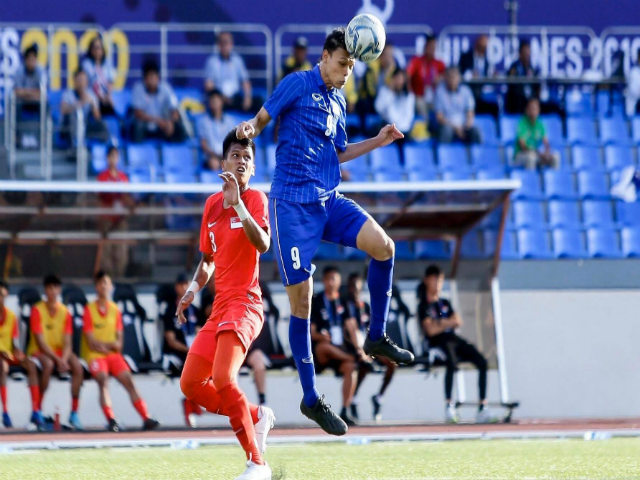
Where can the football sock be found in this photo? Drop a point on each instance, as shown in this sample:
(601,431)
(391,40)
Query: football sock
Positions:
(74,404)
(379,280)
(108,412)
(3,397)
(141,408)
(300,341)
(35,397)
(240,419)
(197,385)
(262,398)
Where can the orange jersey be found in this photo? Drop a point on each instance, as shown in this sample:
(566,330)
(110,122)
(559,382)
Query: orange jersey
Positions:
(104,325)
(8,330)
(52,327)
(236,260)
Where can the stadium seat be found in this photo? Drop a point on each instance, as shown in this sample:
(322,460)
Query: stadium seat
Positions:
(113,125)
(586,157)
(628,214)
(581,130)
(492,219)
(351,253)
(75,300)
(496,173)
(617,157)
(180,177)
(143,157)
(423,175)
(121,101)
(568,243)
(328,251)
(527,214)
(140,177)
(486,157)
(534,244)
(358,169)
(388,176)
(487,126)
(432,249)
(598,214)
(99,157)
(564,214)
(614,130)
(209,176)
(508,128)
(593,185)
(386,159)
(603,243)
(530,188)
(559,184)
(578,103)
(553,127)
(508,250)
(635,129)
(631,241)
(418,156)
(403,250)
(178,159)
(457,175)
(471,245)
(270,156)
(452,157)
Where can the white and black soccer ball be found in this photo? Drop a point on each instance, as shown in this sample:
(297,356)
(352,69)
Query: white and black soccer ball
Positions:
(365,37)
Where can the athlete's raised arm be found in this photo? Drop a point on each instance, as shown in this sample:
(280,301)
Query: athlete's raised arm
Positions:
(253,127)
(387,135)
(203,273)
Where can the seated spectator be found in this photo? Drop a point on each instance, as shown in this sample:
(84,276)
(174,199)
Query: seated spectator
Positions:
(377,75)
(297,61)
(425,73)
(212,127)
(454,106)
(395,103)
(439,322)
(632,100)
(227,72)
(155,108)
(327,337)
(474,65)
(29,79)
(179,337)
(101,74)
(532,147)
(519,93)
(78,101)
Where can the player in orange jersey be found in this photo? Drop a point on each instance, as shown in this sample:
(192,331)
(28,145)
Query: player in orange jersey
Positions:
(50,344)
(234,232)
(101,347)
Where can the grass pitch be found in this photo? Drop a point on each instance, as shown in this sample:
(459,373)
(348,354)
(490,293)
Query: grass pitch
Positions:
(460,460)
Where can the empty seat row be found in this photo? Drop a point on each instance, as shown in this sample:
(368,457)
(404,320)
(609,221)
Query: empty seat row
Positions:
(570,214)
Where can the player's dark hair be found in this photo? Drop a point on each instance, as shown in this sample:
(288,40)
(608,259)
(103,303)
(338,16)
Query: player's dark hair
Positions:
(432,270)
(214,91)
(353,277)
(31,50)
(530,100)
(4,284)
(51,279)
(99,275)
(429,39)
(150,65)
(231,139)
(523,43)
(111,148)
(335,40)
(330,269)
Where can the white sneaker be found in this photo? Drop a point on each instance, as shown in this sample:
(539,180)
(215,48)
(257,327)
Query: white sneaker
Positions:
(624,188)
(451,414)
(484,416)
(255,472)
(266,421)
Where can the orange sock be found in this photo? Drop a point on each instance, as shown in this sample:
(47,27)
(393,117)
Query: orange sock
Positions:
(74,404)
(197,385)
(254,413)
(141,408)
(35,397)
(3,397)
(108,412)
(240,419)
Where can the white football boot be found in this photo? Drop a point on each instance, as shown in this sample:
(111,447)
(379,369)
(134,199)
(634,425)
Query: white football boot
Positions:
(255,472)
(451,414)
(266,421)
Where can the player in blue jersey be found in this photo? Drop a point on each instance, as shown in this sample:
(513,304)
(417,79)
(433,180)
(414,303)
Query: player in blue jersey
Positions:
(305,207)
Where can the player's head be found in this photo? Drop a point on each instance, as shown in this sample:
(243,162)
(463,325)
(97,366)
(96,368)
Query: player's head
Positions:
(300,49)
(103,284)
(52,287)
(524,51)
(96,49)
(151,75)
(80,80)
(113,156)
(181,285)
(31,57)
(430,44)
(238,157)
(4,291)
(337,64)
(433,279)
(532,110)
(331,279)
(355,284)
(452,78)
(225,43)
(481,44)
(216,102)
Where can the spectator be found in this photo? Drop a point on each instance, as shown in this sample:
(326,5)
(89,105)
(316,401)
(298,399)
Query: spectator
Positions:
(358,312)
(297,61)
(632,105)
(102,349)
(30,79)
(155,108)
(213,126)
(179,337)
(328,312)
(454,108)
(395,103)
(439,322)
(227,72)
(628,185)
(424,74)
(474,65)
(50,343)
(78,101)
(519,93)
(532,147)
(377,75)
(100,73)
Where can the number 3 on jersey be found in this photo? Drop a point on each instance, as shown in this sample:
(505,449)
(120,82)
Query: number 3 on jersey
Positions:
(295,258)
(213,242)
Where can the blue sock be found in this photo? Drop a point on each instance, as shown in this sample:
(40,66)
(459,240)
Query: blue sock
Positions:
(379,280)
(300,342)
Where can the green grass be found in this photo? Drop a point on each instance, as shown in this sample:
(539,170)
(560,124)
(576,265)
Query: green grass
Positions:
(460,460)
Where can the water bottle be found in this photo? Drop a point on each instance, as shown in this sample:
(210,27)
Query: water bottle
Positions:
(56,420)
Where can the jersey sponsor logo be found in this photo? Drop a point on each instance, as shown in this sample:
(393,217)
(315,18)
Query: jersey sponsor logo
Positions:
(236,223)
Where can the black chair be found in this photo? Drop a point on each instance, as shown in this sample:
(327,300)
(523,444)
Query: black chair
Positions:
(76,301)
(268,340)
(27,298)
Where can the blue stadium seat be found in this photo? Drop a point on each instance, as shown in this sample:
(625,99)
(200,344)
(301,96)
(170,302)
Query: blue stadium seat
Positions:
(180,177)
(530,188)
(508,128)
(593,185)
(631,241)
(598,214)
(491,173)
(452,157)
(578,103)
(534,244)
(471,245)
(485,156)
(143,157)
(178,159)
(635,129)
(351,253)
(209,176)
(617,157)
(113,125)
(432,249)
(418,156)
(568,243)
(581,130)
(492,219)
(423,175)
(386,159)
(559,184)
(603,243)
(388,176)
(553,126)
(586,157)
(328,251)
(628,214)
(508,250)
(527,214)
(487,126)
(358,168)
(564,214)
(270,156)
(99,157)
(614,130)
(121,101)
(403,250)
(140,176)
(456,175)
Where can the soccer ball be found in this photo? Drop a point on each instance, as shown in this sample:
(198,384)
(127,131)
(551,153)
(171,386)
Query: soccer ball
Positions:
(365,37)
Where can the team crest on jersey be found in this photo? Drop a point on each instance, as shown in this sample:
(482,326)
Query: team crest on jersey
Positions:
(236,223)
(316,97)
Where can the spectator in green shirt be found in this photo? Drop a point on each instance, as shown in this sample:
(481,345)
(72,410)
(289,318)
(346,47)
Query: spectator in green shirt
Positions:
(532,145)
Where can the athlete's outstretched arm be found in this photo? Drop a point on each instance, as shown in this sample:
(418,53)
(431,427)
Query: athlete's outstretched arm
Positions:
(388,134)
(253,127)
(200,279)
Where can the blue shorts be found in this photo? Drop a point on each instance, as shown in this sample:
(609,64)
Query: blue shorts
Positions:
(298,230)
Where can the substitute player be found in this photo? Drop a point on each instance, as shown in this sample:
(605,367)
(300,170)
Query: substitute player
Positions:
(305,207)
(234,232)
(50,343)
(101,347)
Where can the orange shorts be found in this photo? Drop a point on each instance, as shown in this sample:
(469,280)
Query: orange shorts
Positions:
(113,364)
(246,321)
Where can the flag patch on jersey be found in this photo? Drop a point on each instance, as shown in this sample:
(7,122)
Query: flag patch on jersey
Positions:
(236,222)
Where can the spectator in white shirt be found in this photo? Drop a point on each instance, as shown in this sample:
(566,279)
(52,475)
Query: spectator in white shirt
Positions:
(29,80)
(101,74)
(81,99)
(395,103)
(454,106)
(633,88)
(213,126)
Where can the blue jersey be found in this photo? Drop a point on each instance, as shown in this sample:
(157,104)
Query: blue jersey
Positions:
(312,127)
